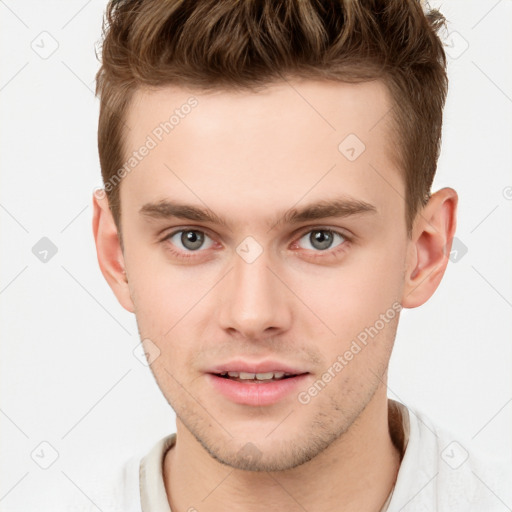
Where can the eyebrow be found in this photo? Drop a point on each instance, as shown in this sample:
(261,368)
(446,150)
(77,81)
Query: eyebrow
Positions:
(339,208)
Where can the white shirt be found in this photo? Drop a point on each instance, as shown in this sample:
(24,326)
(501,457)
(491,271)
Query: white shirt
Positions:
(436,474)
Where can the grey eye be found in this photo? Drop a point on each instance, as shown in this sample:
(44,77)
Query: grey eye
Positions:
(322,239)
(190,239)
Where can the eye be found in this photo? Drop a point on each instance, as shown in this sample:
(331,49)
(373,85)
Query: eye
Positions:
(321,239)
(185,242)
(190,239)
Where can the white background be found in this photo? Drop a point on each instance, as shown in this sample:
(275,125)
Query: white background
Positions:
(68,373)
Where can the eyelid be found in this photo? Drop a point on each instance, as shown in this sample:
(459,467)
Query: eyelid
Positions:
(174,231)
(339,231)
(206,232)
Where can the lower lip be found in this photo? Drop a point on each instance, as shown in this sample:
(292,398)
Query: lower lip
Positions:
(256,393)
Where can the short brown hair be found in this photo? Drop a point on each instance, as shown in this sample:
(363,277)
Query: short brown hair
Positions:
(230,44)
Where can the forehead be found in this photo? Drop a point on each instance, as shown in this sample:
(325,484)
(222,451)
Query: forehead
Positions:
(283,143)
(324,106)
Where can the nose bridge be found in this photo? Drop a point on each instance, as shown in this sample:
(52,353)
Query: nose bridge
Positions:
(254,300)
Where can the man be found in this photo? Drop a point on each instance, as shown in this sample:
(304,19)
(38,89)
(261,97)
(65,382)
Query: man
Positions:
(268,213)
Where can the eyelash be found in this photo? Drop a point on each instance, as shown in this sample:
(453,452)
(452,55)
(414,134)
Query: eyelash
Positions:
(323,254)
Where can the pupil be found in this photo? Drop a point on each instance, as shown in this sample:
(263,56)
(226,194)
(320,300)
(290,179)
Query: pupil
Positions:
(192,239)
(323,237)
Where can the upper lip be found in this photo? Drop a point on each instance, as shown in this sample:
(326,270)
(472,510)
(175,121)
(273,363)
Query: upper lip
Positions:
(266,366)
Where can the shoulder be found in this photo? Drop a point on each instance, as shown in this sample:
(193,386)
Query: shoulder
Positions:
(469,480)
(441,472)
(121,492)
(136,485)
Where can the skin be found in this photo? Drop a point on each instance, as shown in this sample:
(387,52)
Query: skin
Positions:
(249,157)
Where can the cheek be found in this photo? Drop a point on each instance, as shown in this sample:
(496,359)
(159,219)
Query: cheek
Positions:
(170,305)
(352,296)
(162,292)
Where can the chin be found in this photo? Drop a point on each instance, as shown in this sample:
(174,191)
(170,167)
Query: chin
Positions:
(268,455)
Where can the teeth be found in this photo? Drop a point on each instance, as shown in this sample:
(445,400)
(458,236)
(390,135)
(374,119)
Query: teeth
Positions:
(257,376)
(264,376)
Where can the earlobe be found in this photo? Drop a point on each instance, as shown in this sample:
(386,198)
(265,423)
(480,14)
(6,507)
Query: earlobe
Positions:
(108,250)
(432,238)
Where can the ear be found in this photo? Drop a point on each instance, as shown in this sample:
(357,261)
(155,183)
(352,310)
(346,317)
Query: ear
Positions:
(108,249)
(430,246)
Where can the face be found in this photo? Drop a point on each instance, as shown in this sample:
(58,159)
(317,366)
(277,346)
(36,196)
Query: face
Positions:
(265,278)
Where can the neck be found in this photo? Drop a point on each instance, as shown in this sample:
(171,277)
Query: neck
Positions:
(355,473)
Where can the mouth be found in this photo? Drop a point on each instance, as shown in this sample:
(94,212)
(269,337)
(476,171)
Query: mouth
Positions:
(254,378)
(257,389)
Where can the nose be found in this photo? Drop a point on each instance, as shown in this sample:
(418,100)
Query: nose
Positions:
(255,303)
